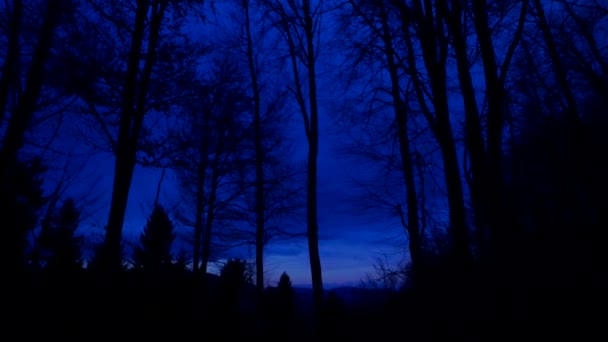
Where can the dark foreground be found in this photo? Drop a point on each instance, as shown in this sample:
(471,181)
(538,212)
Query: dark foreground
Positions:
(88,307)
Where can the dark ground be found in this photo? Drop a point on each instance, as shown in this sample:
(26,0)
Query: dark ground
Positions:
(135,307)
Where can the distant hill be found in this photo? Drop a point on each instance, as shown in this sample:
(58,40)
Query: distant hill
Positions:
(349,296)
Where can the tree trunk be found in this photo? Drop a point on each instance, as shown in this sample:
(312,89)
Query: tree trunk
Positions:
(199,212)
(132,115)
(474,141)
(400,110)
(11,61)
(488,178)
(199,225)
(24,110)
(13,256)
(209,219)
(313,150)
(558,67)
(434,51)
(259,160)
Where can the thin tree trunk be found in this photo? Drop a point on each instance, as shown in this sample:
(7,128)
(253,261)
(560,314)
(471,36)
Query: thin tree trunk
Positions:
(400,111)
(199,211)
(558,67)
(11,61)
(209,220)
(313,150)
(259,160)
(158,188)
(200,192)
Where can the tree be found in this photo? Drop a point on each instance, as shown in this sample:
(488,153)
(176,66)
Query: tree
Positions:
(269,188)
(156,240)
(146,37)
(483,136)
(280,306)
(259,154)
(27,99)
(286,295)
(554,200)
(571,109)
(21,198)
(212,158)
(133,110)
(234,276)
(425,22)
(298,23)
(61,249)
(11,61)
(376,19)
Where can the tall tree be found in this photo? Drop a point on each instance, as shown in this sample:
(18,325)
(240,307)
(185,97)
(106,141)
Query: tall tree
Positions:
(427,20)
(10,68)
(556,61)
(483,143)
(12,169)
(298,23)
(23,110)
(259,155)
(376,18)
(212,155)
(135,93)
(147,30)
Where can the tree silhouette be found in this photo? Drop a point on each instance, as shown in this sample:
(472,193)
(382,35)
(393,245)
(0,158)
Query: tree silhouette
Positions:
(21,198)
(235,275)
(27,95)
(143,30)
(59,247)
(286,296)
(156,240)
(298,23)
(376,18)
(279,306)
(212,152)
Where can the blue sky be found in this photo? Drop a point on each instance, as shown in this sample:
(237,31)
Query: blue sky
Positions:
(349,243)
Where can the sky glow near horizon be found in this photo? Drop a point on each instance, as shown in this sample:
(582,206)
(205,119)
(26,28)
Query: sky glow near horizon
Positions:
(349,245)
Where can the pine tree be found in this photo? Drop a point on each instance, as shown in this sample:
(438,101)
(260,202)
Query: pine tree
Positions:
(235,275)
(156,240)
(286,296)
(61,246)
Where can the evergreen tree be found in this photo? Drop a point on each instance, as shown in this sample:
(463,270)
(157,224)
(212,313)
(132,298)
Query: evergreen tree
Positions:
(284,287)
(61,248)
(156,241)
(286,296)
(235,275)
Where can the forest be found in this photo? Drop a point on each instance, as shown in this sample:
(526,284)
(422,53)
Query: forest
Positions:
(479,128)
